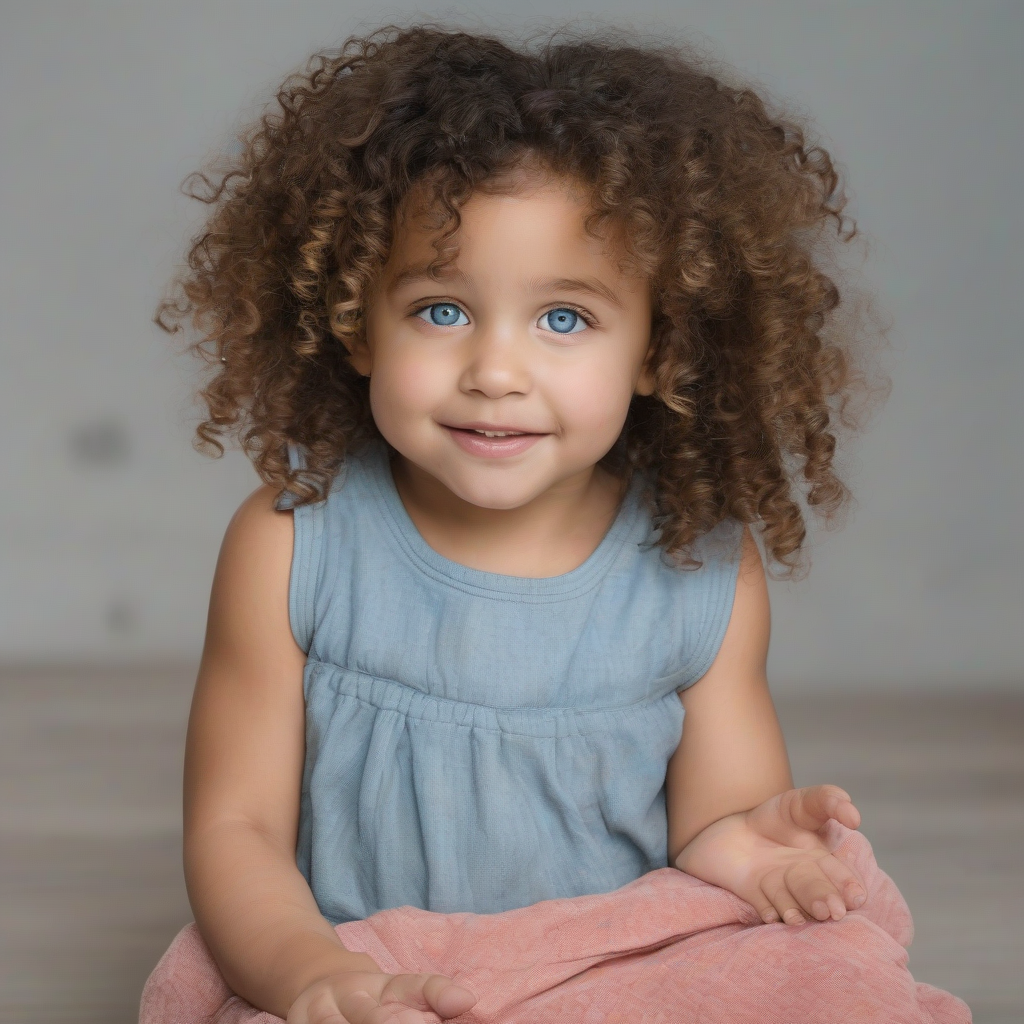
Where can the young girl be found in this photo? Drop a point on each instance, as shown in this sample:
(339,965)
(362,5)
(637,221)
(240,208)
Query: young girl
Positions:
(524,344)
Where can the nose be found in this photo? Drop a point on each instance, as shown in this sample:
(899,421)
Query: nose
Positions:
(497,363)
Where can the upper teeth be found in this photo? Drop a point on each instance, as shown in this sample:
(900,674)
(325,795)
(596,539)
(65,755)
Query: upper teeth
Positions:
(498,433)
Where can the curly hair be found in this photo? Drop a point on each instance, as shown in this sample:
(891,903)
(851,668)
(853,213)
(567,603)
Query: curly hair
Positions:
(726,209)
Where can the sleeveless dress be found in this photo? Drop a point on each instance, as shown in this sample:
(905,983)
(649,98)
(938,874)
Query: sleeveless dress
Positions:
(480,742)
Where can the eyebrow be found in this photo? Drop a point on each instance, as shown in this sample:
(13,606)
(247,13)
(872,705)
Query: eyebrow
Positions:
(589,285)
(424,272)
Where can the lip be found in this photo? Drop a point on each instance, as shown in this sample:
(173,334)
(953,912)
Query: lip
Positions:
(476,425)
(491,447)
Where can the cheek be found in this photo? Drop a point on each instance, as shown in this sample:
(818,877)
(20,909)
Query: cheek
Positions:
(404,386)
(595,399)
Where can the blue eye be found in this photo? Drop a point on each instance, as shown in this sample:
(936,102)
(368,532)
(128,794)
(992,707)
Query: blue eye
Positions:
(563,321)
(443,314)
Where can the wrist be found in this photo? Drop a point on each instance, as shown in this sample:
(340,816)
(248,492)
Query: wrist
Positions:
(721,831)
(331,965)
(348,962)
(299,966)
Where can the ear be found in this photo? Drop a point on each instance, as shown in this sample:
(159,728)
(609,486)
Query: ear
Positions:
(359,354)
(645,384)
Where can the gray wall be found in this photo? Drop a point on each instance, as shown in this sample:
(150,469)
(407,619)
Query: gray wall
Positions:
(111,523)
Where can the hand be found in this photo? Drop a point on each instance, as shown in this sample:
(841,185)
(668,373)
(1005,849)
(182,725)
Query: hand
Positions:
(363,997)
(774,858)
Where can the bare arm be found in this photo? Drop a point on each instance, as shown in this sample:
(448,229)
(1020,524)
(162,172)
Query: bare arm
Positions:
(243,768)
(734,819)
(732,755)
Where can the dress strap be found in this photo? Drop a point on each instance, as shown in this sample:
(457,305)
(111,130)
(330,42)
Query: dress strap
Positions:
(307,550)
(296,461)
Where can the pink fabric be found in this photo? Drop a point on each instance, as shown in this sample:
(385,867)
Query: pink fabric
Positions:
(665,948)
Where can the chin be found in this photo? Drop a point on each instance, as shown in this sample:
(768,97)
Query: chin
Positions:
(495,494)
(499,500)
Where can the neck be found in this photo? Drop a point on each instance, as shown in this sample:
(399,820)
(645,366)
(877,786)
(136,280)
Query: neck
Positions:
(548,536)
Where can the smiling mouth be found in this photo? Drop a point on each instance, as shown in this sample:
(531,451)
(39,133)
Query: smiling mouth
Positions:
(493,431)
(493,441)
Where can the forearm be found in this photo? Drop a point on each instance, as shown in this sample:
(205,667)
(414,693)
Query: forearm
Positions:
(690,822)
(709,780)
(258,917)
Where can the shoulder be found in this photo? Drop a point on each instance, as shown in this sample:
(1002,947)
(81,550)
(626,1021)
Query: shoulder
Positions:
(260,525)
(251,579)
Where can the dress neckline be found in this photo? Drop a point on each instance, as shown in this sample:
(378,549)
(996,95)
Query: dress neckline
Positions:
(444,569)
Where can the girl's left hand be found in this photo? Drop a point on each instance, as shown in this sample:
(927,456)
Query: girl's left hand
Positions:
(774,858)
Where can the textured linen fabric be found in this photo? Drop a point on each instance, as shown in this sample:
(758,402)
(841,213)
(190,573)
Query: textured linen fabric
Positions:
(478,742)
(665,949)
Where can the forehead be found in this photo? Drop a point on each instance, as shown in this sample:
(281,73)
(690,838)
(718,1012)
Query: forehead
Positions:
(524,218)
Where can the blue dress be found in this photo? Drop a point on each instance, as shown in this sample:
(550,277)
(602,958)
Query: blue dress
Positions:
(480,742)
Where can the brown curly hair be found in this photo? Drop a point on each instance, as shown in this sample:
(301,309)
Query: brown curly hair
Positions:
(725,208)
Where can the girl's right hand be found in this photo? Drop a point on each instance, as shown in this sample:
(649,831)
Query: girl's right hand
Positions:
(362,997)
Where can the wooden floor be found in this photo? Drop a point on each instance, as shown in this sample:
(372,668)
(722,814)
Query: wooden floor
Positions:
(89,820)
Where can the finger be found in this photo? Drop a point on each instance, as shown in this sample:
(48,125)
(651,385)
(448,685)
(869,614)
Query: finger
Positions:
(773,885)
(446,997)
(811,807)
(847,881)
(814,892)
(763,906)
(428,992)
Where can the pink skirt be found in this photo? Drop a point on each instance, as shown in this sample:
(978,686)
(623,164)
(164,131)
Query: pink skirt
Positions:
(665,948)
